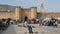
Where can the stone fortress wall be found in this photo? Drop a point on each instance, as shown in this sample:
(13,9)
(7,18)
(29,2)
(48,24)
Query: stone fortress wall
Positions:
(20,13)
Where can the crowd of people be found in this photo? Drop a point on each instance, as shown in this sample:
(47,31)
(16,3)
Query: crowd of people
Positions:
(4,23)
(50,21)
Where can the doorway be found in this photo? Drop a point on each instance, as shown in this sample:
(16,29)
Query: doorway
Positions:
(25,18)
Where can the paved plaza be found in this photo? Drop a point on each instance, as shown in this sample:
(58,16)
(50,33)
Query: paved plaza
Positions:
(9,30)
(15,29)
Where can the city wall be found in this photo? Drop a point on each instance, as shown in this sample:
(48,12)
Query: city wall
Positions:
(5,15)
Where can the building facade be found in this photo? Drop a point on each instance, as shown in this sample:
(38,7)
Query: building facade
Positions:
(20,13)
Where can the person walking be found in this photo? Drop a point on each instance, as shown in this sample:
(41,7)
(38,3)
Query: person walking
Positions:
(40,21)
(25,21)
(30,29)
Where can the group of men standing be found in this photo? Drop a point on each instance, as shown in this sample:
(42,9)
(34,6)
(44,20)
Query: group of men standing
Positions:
(48,22)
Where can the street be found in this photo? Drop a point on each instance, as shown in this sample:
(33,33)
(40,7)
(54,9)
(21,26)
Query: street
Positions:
(16,29)
(9,30)
(37,28)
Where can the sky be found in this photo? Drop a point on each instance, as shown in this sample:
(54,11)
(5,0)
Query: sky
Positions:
(49,5)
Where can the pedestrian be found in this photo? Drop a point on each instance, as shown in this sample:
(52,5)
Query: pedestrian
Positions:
(25,22)
(30,29)
(56,23)
(40,21)
(8,21)
(37,20)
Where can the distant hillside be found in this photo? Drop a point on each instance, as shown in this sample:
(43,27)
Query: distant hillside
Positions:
(7,7)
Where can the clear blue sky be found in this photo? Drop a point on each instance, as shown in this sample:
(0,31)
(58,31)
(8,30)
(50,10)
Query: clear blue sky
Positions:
(49,5)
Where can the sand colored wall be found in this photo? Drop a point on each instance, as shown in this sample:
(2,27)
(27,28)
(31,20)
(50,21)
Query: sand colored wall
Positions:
(38,15)
(57,15)
(33,12)
(29,12)
(5,15)
(54,15)
(21,13)
(18,13)
(26,12)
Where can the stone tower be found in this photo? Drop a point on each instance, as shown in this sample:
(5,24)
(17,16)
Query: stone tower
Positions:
(18,13)
(42,11)
(33,12)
